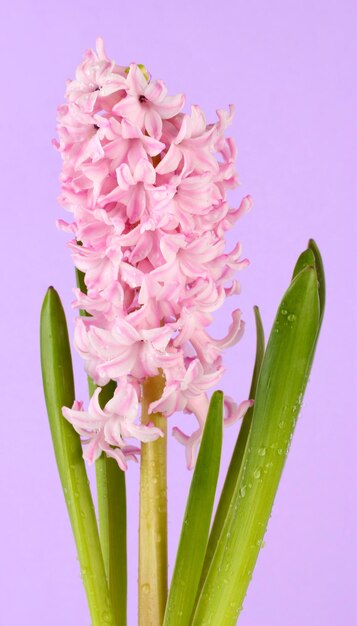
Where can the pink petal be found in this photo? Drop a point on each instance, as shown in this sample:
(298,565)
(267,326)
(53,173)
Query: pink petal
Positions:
(234,412)
(136,80)
(153,123)
(145,172)
(171,106)
(156,91)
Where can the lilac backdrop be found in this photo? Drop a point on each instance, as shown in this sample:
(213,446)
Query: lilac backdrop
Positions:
(288,67)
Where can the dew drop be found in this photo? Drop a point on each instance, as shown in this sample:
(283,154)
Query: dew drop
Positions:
(281,424)
(145,588)
(284,312)
(257,473)
(262,451)
(242,491)
(291,317)
(106,617)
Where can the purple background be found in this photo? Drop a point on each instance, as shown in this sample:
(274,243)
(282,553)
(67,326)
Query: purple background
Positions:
(288,67)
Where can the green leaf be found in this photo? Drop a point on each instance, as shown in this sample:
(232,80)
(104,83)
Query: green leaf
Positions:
(58,387)
(237,456)
(81,284)
(111,498)
(282,381)
(197,518)
(320,276)
(311,257)
(306,259)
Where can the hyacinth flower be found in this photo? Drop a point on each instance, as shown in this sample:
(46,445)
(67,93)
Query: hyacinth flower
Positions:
(146,184)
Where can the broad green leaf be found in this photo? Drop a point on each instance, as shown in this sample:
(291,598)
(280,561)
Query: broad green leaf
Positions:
(281,385)
(237,456)
(58,386)
(111,498)
(197,519)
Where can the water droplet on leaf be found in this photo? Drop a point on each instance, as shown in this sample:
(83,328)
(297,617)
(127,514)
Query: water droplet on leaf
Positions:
(106,617)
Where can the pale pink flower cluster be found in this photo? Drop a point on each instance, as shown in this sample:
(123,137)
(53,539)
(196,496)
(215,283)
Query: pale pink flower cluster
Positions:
(146,184)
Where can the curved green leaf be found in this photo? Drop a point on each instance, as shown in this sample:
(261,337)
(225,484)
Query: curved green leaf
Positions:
(238,452)
(58,387)
(197,519)
(282,381)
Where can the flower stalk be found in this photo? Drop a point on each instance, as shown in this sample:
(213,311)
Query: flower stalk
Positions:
(153,513)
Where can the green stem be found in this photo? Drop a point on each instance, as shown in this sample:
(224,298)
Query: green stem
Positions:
(153,515)
(58,386)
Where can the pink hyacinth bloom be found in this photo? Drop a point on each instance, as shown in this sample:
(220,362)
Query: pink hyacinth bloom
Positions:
(146,103)
(147,187)
(108,429)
